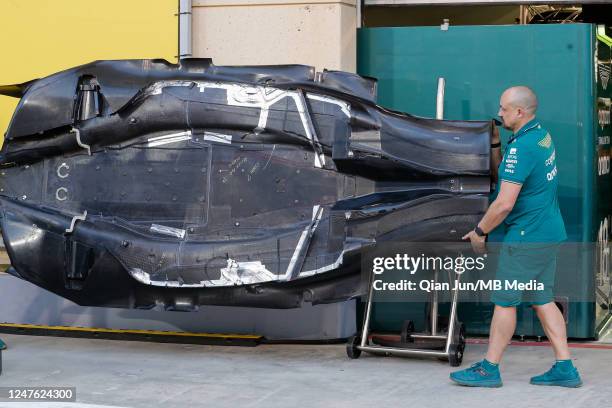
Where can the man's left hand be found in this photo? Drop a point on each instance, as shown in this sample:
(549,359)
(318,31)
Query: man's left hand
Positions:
(478,243)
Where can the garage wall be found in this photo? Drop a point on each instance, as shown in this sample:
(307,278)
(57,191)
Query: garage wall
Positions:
(261,32)
(40,37)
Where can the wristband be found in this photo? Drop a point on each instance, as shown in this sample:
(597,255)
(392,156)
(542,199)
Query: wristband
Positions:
(495,145)
(479,232)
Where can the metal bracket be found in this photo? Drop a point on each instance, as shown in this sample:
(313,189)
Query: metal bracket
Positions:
(79,142)
(74,220)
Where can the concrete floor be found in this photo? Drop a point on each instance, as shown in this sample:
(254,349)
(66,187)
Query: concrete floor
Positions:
(136,374)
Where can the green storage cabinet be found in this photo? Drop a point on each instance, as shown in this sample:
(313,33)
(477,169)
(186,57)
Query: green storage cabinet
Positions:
(478,63)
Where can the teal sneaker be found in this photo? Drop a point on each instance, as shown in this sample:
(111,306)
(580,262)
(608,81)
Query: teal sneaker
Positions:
(562,374)
(480,374)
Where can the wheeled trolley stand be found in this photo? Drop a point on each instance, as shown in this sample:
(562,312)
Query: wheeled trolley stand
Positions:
(447,344)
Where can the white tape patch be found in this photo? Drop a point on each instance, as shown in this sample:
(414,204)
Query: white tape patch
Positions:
(162,229)
(217,137)
(167,139)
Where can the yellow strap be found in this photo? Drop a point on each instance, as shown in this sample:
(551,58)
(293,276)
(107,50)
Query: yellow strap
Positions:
(147,332)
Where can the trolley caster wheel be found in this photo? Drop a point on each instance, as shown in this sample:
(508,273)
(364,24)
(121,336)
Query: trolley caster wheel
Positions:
(459,336)
(351,347)
(455,355)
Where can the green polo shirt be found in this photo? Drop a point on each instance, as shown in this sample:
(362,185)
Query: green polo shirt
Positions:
(529,160)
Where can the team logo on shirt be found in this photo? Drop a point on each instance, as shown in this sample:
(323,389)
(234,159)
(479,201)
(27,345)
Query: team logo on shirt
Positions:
(546,141)
(511,160)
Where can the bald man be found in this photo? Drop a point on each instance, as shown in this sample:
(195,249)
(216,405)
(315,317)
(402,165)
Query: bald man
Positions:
(526,202)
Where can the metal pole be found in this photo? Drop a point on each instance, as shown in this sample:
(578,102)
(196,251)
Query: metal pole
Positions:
(366,322)
(440,99)
(453,314)
(184,29)
(524,14)
(434,307)
(439,116)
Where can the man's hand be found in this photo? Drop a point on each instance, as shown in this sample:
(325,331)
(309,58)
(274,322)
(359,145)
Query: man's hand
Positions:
(495,137)
(478,243)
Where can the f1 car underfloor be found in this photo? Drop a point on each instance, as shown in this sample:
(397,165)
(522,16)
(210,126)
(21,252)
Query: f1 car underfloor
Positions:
(143,184)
